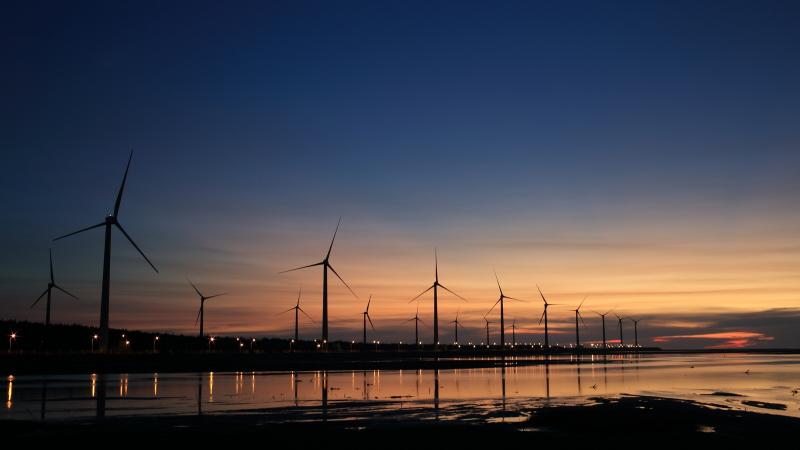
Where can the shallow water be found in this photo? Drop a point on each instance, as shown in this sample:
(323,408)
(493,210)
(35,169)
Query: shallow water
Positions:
(761,383)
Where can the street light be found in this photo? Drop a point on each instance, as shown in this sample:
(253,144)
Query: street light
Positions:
(94,338)
(210,342)
(11,338)
(155,341)
(252,343)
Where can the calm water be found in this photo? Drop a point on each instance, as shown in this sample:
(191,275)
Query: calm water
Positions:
(735,381)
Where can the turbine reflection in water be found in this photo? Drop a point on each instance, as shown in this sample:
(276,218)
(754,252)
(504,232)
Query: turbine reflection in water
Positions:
(506,387)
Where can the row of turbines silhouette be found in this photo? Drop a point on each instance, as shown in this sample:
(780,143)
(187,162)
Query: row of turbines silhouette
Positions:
(112,221)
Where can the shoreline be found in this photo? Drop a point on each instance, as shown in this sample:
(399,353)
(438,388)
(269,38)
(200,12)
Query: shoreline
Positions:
(601,419)
(72,363)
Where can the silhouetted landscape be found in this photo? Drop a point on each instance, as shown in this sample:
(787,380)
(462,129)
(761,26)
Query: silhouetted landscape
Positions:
(295,220)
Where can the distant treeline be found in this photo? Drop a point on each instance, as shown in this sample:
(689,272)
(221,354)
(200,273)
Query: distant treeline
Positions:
(34,337)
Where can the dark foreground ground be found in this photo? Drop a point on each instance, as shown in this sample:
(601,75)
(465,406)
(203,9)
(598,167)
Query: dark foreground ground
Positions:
(629,419)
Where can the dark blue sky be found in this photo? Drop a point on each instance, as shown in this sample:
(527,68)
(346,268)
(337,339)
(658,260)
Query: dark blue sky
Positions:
(425,118)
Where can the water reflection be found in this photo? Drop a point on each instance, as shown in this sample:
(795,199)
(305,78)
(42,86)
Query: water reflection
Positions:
(199,395)
(43,406)
(10,396)
(99,391)
(769,379)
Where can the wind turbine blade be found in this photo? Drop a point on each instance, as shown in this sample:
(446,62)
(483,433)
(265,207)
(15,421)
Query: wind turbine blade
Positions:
(342,280)
(448,290)
(436,263)
(580,316)
(516,299)
(198,317)
(579,306)
(304,267)
(370,322)
(420,295)
(80,231)
(300,291)
(52,279)
(216,295)
(328,255)
(492,308)
(65,291)
(136,246)
(541,318)
(284,312)
(304,313)
(368,302)
(498,282)
(40,297)
(540,293)
(195,287)
(122,186)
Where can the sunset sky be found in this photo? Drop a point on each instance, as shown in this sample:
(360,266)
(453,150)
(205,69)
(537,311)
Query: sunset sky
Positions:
(644,155)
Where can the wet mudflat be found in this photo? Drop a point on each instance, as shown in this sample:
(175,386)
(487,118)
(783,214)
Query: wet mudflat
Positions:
(722,394)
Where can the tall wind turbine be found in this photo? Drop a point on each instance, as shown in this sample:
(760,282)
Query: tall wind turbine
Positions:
(435,286)
(619,325)
(502,311)
(110,221)
(201,312)
(366,318)
(635,331)
(603,317)
(577,327)
(52,284)
(416,320)
(325,263)
(544,316)
(456,324)
(297,309)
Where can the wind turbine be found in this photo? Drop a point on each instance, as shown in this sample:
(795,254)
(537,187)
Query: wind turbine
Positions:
(297,309)
(366,318)
(416,320)
(619,325)
(502,311)
(201,312)
(603,317)
(325,263)
(435,286)
(52,284)
(544,316)
(456,324)
(514,333)
(635,331)
(110,221)
(577,327)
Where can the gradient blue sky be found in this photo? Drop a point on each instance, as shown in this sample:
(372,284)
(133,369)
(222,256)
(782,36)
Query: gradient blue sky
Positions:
(642,153)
